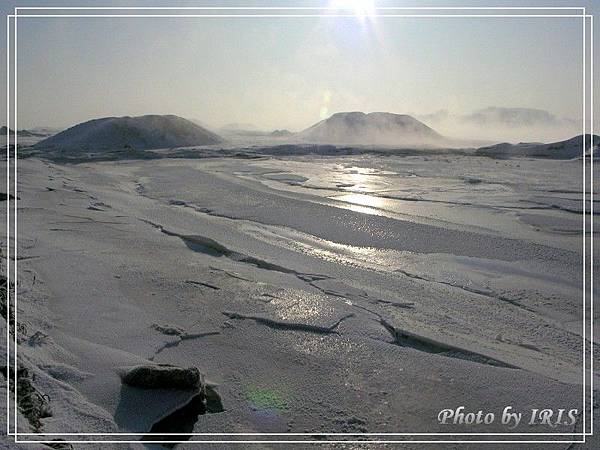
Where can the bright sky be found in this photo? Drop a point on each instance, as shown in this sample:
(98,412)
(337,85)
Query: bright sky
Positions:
(291,72)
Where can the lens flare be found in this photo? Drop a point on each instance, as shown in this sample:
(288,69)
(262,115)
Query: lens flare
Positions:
(324,112)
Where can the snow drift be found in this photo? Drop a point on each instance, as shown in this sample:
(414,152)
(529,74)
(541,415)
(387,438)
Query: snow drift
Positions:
(377,128)
(568,149)
(137,133)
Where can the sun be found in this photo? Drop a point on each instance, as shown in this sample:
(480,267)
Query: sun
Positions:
(361,8)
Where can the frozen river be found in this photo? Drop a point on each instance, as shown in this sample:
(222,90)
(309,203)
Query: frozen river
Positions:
(321,293)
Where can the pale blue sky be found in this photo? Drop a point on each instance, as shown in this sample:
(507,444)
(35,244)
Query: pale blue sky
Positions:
(290,72)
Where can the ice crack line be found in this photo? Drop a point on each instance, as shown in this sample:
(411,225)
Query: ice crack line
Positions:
(404,338)
(295,326)
(182,337)
(467,289)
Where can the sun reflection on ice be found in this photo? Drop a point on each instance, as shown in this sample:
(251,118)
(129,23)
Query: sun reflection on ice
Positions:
(361,179)
(363,199)
(363,203)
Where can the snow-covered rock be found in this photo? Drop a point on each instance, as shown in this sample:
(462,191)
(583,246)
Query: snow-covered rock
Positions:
(162,376)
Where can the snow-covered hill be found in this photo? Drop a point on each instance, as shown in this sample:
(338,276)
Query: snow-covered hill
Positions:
(377,128)
(138,133)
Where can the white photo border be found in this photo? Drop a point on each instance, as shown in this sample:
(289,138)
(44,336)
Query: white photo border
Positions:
(331,12)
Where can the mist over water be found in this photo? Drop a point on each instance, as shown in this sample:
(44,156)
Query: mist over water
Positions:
(504,124)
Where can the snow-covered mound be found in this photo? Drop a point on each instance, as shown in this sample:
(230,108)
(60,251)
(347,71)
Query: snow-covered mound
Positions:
(137,133)
(571,148)
(377,128)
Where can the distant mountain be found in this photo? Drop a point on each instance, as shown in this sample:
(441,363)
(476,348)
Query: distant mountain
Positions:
(511,117)
(238,131)
(237,127)
(377,128)
(281,133)
(21,133)
(137,133)
(569,149)
(45,131)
